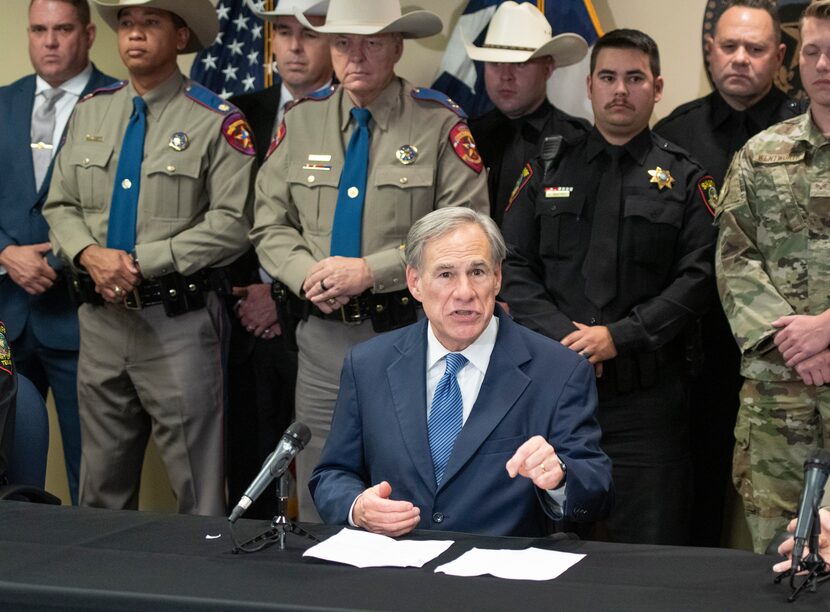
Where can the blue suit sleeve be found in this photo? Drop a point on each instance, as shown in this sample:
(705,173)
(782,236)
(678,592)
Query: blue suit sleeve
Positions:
(341,475)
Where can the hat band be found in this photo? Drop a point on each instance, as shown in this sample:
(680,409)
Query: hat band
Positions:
(508,47)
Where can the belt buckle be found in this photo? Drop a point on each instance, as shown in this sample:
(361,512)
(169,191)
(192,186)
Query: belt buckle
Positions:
(350,312)
(132,301)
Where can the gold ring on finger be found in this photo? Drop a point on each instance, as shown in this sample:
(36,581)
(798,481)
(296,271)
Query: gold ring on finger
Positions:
(117,290)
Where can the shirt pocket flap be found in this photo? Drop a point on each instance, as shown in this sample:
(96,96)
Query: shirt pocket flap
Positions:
(656,211)
(189,166)
(403,177)
(89,155)
(553,207)
(313,178)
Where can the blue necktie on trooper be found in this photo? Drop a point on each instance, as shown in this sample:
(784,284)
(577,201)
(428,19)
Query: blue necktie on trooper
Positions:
(447,415)
(348,216)
(124,208)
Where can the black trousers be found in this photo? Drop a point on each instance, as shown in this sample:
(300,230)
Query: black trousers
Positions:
(646,435)
(262,375)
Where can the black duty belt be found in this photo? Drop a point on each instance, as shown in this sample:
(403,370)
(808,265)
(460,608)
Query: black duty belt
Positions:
(177,293)
(387,311)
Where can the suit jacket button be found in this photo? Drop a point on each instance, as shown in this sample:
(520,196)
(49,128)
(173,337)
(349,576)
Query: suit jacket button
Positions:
(438,517)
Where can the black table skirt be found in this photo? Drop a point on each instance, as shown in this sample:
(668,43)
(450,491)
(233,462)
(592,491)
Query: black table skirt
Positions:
(86,559)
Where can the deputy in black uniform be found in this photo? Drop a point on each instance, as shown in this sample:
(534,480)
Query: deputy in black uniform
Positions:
(519,55)
(744,55)
(8,394)
(610,252)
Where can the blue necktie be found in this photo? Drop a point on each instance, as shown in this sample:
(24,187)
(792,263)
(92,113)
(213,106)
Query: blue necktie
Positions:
(447,415)
(348,216)
(124,208)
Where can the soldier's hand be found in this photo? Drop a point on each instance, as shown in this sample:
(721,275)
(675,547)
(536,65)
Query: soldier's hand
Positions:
(257,310)
(815,370)
(375,512)
(28,268)
(593,343)
(333,280)
(801,336)
(114,271)
(536,460)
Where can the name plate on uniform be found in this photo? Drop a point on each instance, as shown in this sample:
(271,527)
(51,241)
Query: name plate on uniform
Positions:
(558,192)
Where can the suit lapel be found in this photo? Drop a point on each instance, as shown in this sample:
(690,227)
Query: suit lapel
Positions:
(20,128)
(503,384)
(407,381)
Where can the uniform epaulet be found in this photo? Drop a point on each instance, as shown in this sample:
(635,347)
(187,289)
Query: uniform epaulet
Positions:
(432,95)
(681,110)
(202,95)
(317,96)
(105,90)
(667,145)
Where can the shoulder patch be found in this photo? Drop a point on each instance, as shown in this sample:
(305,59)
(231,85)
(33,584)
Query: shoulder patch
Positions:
(276,140)
(432,95)
(105,90)
(524,179)
(5,352)
(709,193)
(237,132)
(202,95)
(464,146)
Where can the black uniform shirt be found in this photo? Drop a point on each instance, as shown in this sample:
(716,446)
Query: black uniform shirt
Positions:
(505,145)
(665,246)
(712,131)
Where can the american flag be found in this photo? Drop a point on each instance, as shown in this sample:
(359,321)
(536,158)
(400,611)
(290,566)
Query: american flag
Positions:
(239,60)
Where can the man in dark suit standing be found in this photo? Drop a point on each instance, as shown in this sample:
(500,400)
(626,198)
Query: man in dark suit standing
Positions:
(262,369)
(435,421)
(41,319)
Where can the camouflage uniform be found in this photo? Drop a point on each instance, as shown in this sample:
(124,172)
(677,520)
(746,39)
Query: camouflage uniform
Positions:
(772,261)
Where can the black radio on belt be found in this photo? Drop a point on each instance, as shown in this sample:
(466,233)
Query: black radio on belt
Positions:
(290,311)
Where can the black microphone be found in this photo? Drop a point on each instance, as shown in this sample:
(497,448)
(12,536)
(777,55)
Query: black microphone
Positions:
(292,442)
(816,471)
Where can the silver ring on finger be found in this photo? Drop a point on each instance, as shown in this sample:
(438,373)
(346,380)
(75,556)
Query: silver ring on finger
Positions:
(585,354)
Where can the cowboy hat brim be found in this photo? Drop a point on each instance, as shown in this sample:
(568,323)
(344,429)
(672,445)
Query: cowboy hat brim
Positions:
(199,15)
(566,49)
(286,9)
(416,24)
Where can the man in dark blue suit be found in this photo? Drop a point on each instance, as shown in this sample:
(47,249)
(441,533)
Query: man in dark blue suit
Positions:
(41,319)
(464,421)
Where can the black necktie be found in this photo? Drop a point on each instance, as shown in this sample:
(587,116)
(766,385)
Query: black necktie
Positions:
(600,266)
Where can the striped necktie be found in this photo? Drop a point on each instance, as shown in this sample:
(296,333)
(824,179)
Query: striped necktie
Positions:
(447,415)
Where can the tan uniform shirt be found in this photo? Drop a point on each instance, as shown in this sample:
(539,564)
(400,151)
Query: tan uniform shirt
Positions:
(195,204)
(296,190)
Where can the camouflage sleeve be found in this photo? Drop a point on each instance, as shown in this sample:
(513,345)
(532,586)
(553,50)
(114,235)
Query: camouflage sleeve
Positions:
(749,298)
(523,282)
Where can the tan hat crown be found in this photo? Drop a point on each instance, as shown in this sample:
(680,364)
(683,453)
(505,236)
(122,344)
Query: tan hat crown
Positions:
(520,32)
(367,17)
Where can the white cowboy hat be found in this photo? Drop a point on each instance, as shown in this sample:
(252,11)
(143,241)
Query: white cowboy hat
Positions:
(520,32)
(368,17)
(199,15)
(287,7)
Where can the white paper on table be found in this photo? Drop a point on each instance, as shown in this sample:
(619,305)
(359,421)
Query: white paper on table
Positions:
(527,564)
(364,549)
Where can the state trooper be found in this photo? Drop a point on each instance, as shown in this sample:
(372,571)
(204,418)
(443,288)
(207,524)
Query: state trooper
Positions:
(350,171)
(150,197)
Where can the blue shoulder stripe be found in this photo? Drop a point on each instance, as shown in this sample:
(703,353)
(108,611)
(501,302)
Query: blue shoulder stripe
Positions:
(108,89)
(433,95)
(204,96)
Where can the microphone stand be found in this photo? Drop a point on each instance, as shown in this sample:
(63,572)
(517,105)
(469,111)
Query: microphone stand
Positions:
(280,526)
(813,564)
